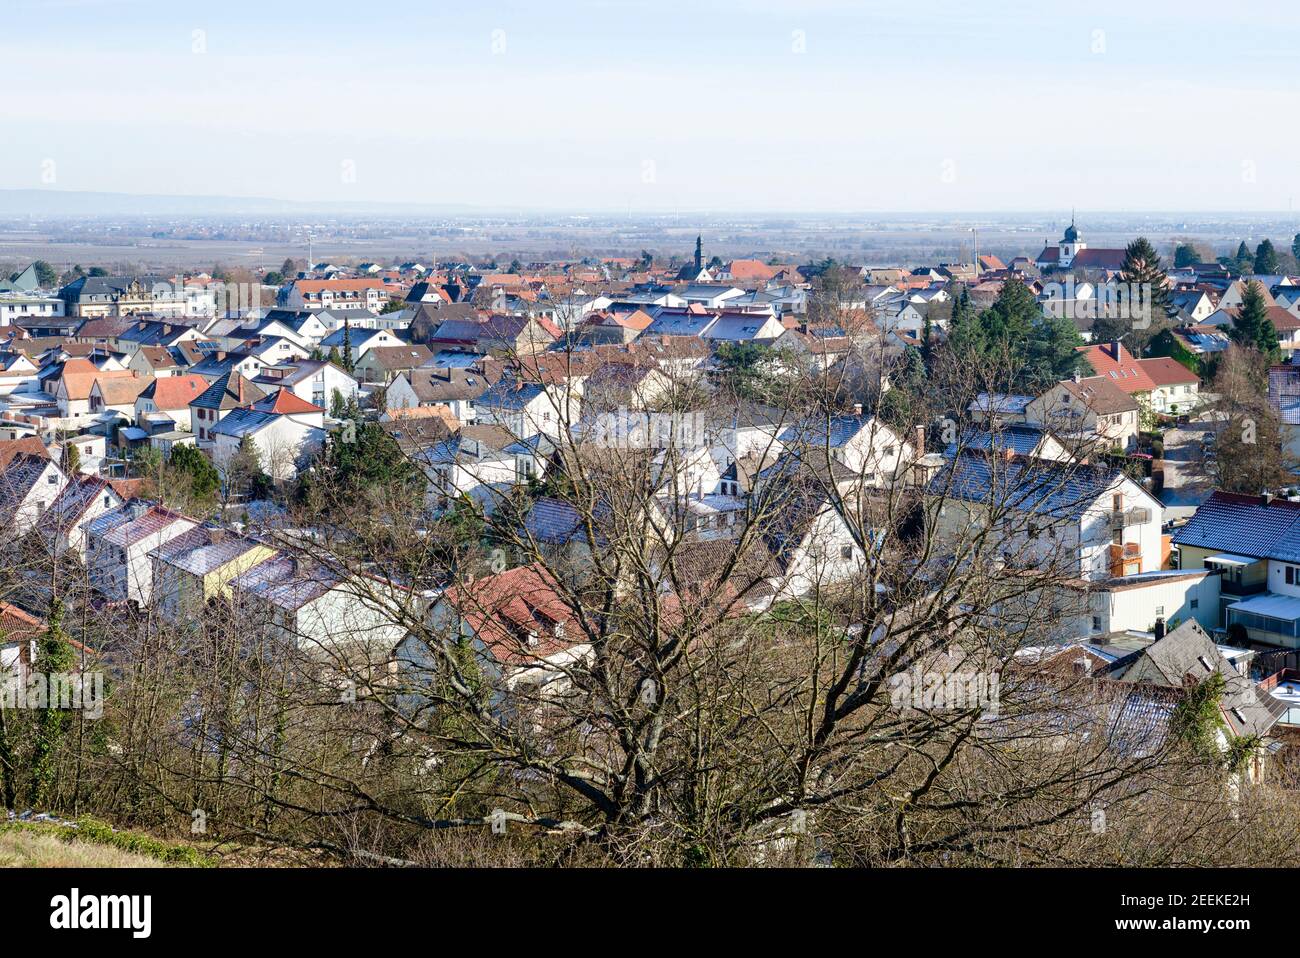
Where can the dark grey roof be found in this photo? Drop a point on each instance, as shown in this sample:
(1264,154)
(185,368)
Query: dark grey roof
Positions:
(1244,525)
(1038,486)
(1188,655)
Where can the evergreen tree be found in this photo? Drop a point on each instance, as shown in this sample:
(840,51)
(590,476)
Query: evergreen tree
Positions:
(1149,290)
(1197,720)
(1243,262)
(962,310)
(1295,246)
(348,364)
(202,475)
(244,472)
(1014,330)
(1251,327)
(71,463)
(361,460)
(46,275)
(1184,255)
(1265,259)
(1051,354)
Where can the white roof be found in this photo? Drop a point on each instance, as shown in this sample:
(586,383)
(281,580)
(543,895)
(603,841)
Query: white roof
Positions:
(1227,558)
(1271,605)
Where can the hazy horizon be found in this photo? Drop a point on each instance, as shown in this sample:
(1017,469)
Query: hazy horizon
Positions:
(656,108)
(472,209)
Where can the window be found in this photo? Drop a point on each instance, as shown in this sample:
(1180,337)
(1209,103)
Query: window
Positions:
(1290,575)
(1160,610)
(1096,623)
(846,552)
(1196,603)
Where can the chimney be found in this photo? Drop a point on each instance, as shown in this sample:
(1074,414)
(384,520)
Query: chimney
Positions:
(1159,630)
(1114,349)
(1265,498)
(857,409)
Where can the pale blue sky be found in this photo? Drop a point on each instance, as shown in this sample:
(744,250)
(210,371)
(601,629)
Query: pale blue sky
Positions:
(663,106)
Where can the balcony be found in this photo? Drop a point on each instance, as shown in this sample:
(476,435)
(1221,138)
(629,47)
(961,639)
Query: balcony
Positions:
(1125,559)
(1228,586)
(1134,516)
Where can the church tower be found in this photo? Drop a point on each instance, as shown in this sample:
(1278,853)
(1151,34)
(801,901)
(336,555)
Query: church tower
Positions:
(1070,244)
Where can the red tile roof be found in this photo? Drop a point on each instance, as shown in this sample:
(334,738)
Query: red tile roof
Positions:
(519,615)
(284,401)
(1114,361)
(177,392)
(12,447)
(17,625)
(1164,371)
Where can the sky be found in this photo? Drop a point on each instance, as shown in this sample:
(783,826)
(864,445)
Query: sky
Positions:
(666,106)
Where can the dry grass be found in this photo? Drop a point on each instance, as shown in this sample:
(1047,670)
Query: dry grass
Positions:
(29,849)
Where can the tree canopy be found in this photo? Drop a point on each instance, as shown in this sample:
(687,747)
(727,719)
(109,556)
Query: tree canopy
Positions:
(1014,328)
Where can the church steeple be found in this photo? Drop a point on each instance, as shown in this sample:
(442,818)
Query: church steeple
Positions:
(1071,232)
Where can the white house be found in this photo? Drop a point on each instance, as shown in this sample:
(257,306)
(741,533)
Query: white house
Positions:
(1088,521)
(28,487)
(169,398)
(312,380)
(286,431)
(525,637)
(361,340)
(118,544)
(476,462)
(316,609)
(457,389)
(866,445)
(65,523)
(529,408)
(809,538)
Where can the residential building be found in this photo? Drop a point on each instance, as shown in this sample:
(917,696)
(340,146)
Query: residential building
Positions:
(118,546)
